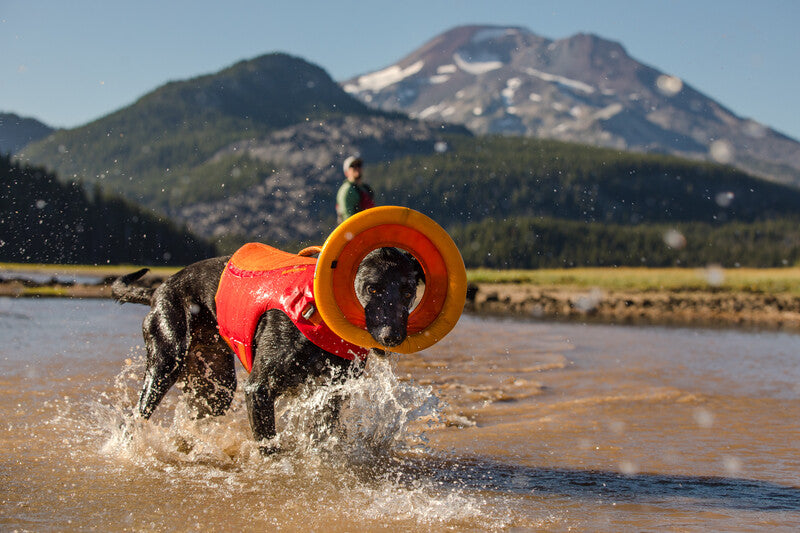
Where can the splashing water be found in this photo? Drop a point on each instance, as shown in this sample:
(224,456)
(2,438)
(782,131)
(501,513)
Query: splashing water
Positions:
(365,456)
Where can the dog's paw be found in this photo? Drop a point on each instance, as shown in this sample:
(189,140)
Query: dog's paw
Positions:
(268,448)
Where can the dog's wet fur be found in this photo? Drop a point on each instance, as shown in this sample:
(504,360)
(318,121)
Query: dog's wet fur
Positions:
(184,345)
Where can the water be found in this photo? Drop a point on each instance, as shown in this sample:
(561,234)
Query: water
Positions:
(504,425)
(42,277)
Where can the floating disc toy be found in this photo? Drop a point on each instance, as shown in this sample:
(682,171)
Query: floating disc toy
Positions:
(399,227)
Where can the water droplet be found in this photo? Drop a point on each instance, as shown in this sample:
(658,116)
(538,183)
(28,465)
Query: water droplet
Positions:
(629,468)
(674,239)
(721,151)
(724,199)
(755,130)
(715,275)
(669,85)
(617,427)
(703,417)
(733,465)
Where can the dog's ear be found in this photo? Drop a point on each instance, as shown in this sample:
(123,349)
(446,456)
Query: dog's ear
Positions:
(419,273)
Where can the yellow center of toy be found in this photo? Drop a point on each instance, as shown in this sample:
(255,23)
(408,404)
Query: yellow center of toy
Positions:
(399,227)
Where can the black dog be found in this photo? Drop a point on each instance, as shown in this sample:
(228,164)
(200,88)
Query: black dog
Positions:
(184,345)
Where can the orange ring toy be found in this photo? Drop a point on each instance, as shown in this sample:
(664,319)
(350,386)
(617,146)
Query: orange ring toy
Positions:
(400,227)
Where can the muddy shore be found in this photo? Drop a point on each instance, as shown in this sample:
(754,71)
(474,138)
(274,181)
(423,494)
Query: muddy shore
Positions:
(709,308)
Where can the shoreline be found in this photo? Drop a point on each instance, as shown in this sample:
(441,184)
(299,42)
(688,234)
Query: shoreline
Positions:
(680,307)
(673,307)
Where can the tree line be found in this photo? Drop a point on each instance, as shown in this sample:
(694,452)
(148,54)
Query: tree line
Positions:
(500,177)
(507,202)
(531,203)
(528,243)
(44,220)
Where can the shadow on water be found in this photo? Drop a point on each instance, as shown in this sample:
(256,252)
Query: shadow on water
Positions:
(486,475)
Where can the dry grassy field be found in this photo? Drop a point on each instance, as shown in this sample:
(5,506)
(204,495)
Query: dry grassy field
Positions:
(751,280)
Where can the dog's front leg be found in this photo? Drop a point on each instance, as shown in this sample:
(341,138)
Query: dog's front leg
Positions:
(261,412)
(166,337)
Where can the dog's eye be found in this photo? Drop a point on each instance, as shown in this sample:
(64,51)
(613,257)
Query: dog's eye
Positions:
(372,289)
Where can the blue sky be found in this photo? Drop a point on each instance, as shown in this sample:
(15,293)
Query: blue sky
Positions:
(67,63)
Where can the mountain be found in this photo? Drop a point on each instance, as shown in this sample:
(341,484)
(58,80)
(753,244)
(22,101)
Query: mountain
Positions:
(584,89)
(17,132)
(151,144)
(294,174)
(254,150)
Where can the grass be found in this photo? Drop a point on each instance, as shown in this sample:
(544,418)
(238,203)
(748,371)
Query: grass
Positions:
(83,270)
(45,291)
(766,280)
(756,280)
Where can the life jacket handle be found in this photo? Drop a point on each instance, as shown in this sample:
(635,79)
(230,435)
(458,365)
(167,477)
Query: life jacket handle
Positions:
(309,251)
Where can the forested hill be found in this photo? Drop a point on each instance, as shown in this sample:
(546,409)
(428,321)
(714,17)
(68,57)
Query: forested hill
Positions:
(505,177)
(43,220)
(17,132)
(511,202)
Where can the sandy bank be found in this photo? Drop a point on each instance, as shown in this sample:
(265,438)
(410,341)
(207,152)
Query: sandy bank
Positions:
(680,307)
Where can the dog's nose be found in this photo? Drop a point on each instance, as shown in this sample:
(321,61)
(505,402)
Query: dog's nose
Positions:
(388,337)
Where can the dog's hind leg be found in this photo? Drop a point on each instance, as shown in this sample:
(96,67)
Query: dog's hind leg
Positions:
(167,341)
(210,380)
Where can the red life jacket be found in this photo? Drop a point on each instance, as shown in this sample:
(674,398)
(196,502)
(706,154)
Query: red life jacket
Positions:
(258,278)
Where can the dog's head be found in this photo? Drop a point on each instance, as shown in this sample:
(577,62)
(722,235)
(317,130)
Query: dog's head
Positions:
(386,285)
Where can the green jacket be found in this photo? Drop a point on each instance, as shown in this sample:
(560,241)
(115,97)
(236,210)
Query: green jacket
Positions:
(353,198)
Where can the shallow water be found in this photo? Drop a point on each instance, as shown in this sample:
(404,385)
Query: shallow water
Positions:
(504,425)
(42,277)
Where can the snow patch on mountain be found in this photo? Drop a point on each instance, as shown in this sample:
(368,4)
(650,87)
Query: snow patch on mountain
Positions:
(490,34)
(430,111)
(608,111)
(510,89)
(554,78)
(383,78)
(476,67)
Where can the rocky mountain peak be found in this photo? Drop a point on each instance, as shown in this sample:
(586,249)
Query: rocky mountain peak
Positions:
(584,88)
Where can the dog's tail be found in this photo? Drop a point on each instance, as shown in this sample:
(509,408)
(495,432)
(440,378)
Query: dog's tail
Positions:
(123,292)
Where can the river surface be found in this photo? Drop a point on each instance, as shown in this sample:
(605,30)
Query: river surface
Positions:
(503,426)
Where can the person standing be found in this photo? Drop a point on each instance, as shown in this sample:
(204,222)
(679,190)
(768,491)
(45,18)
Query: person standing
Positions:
(354,195)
